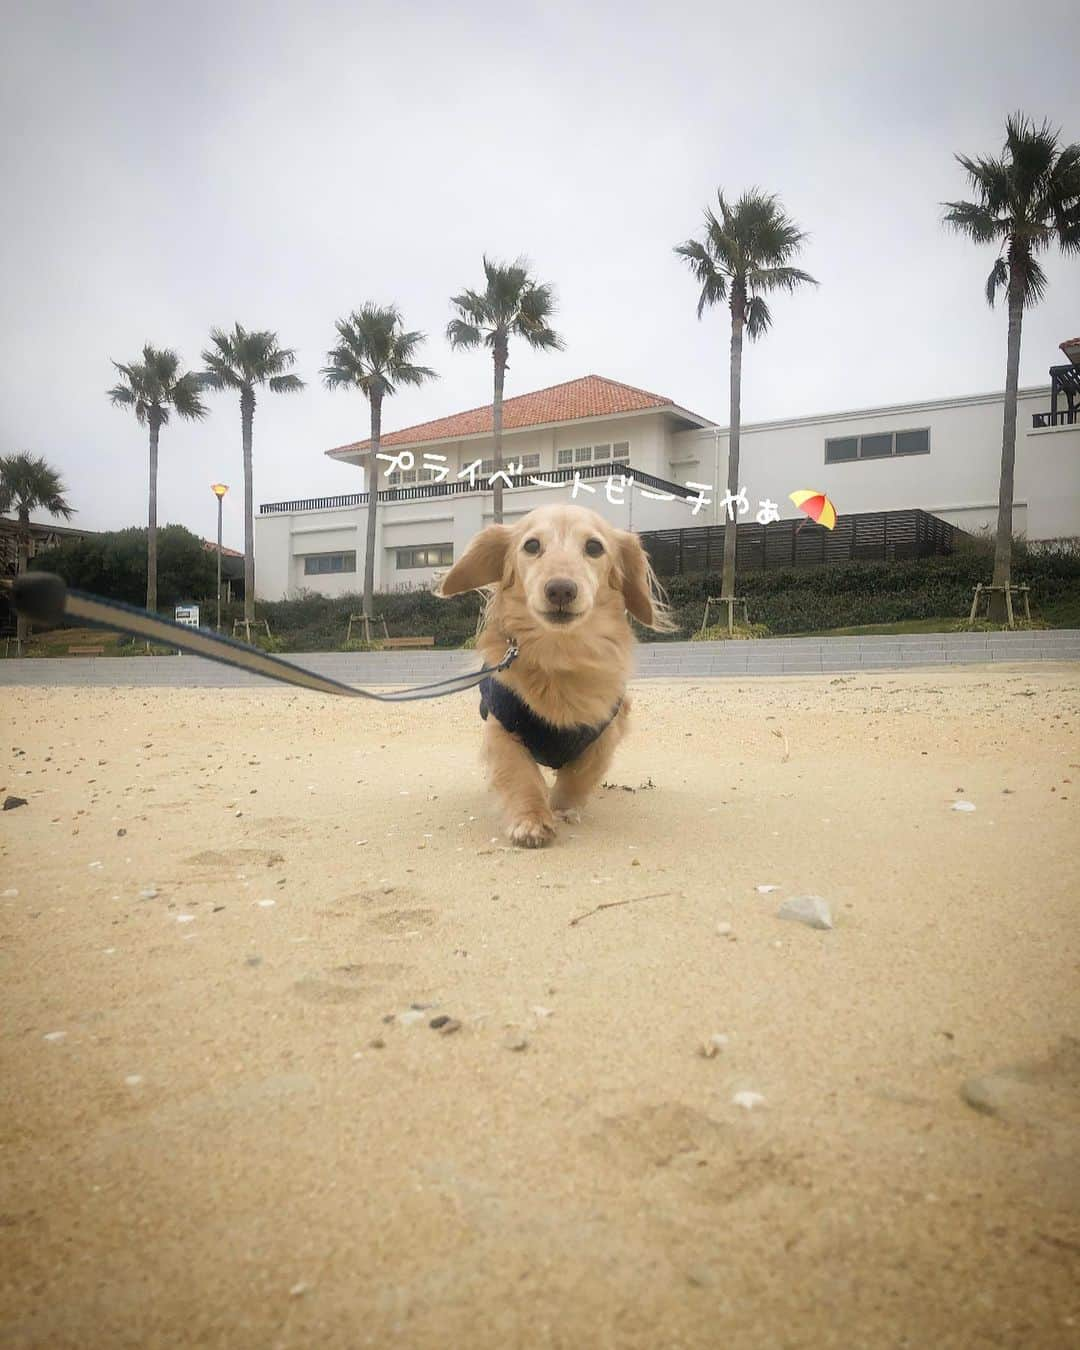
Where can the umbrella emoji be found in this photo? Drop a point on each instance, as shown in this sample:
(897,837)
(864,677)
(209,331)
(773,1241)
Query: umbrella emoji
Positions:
(817,507)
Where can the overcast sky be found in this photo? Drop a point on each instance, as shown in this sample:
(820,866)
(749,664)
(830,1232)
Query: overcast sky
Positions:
(167,168)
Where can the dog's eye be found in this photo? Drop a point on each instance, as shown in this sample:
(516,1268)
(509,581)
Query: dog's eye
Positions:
(531,546)
(594,548)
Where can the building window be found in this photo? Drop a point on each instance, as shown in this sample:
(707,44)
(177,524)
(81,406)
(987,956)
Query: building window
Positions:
(318,564)
(402,477)
(510,466)
(913,442)
(878,445)
(598,454)
(426,555)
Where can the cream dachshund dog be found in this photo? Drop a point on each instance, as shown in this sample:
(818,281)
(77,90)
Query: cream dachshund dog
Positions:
(561,582)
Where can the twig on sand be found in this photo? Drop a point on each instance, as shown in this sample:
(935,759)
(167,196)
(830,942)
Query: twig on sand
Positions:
(779,731)
(613,904)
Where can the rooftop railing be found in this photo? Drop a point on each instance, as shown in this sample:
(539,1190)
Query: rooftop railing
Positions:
(423,491)
(1064,417)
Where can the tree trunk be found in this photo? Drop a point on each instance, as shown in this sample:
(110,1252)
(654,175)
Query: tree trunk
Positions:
(373,499)
(247,419)
(22,543)
(151,527)
(500,355)
(738,311)
(1003,543)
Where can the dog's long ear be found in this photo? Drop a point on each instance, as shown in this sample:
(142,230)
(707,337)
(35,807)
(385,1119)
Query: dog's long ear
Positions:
(633,575)
(481,564)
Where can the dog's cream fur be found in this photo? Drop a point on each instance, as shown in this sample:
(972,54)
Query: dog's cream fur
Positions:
(572,665)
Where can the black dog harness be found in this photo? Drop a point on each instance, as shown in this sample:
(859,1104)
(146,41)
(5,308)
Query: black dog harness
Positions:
(548,744)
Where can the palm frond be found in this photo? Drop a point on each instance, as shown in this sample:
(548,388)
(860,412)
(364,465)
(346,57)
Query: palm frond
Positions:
(974,219)
(1027,199)
(778,279)
(374,353)
(712,278)
(461,333)
(999,276)
(285,384)
(1033,280)
(512,303)
(246,358)
(544,340)
(747,247)
(29,483)
(758,318)
(409,374)
(184,397)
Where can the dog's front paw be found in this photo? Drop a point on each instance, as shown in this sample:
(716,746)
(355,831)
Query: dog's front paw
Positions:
(532,831)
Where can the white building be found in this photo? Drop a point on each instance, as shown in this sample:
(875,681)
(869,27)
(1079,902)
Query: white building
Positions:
(646,463)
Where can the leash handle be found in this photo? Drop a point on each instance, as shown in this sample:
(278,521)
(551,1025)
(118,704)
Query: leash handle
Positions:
(44,598)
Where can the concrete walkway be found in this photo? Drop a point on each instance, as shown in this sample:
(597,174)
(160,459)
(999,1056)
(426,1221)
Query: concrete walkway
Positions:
(659,660)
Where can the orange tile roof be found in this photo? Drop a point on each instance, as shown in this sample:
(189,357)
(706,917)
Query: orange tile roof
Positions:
(591,396)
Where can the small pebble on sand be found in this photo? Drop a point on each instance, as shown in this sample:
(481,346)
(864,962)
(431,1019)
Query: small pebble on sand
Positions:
(766,889)
(185,918)
(266,904)
(811,910)
(54,1036)
(963,806)
(747,1100)
(133,1079)
(712,1045)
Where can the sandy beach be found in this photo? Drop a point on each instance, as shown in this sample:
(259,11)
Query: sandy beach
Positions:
(229,918)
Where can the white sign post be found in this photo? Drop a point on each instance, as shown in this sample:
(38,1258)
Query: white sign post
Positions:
(187,616)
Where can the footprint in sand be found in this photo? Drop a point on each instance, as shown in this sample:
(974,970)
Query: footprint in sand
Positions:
(276,826)
(348,983)
(235,857)
(687,1160)
(399,921)
(655,1135)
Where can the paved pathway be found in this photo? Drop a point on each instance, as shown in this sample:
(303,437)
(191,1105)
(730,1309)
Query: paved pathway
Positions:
(658,660)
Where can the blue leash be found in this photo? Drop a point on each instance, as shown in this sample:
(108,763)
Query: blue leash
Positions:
(45,598)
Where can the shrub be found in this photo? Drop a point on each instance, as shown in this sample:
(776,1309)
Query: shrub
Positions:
(718,632)
(113,565)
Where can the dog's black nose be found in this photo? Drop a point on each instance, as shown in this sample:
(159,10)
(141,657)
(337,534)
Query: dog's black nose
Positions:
(561,591)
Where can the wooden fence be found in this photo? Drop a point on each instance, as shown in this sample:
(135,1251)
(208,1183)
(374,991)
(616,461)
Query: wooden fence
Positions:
(873,536)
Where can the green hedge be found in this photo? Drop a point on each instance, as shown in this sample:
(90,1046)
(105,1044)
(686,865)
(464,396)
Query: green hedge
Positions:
(846,594)
(318,623)
(793,601)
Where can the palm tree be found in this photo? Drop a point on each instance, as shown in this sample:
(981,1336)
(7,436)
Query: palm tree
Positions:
(744,255)
(242,360)
(28,483)
(154,388)
(1026,200)
(375,355)
(512,304)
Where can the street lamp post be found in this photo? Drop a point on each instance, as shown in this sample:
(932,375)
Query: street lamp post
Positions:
(219,490)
